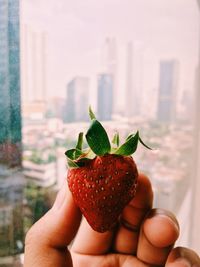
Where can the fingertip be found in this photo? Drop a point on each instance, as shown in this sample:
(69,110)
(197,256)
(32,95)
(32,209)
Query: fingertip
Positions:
(161,230)
(157,237)
(145,179)
(144,193)
(181,257)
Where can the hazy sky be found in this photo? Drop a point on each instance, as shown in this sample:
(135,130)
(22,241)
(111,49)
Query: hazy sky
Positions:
(76,30)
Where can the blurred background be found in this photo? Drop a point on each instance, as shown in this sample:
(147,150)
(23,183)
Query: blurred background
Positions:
(135,62)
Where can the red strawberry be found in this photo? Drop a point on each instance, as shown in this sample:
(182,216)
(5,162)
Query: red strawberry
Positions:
(102,187)
(102,182)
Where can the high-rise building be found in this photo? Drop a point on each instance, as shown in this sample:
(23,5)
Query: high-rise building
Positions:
(109,61)
(11,219)
(77,99)
(10,116)
(134,79)
(105,96)
(33,71)
(109,54)
(166,111)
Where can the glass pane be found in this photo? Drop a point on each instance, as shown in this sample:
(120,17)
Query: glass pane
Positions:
(11,176)
(132,62)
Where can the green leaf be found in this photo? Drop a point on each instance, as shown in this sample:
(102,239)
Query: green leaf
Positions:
(72,164)
(89,154)
(97,138)
(130,146)
(91,113)
(115,140)
(73,153)
(80,142)
(129,136)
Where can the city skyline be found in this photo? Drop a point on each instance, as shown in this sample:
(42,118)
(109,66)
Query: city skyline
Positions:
(134,93)
(161,42)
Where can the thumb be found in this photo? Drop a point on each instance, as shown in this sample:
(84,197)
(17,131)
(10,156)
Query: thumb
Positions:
(181,257)
(47,240)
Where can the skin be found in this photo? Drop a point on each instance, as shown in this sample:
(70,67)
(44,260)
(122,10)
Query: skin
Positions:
(143,237)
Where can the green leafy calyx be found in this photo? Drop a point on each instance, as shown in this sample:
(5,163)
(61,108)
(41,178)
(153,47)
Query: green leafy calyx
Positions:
(99,144)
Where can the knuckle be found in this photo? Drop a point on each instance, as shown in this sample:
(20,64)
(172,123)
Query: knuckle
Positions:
(31,236)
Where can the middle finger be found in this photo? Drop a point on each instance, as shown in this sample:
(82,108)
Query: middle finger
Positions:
(126,239)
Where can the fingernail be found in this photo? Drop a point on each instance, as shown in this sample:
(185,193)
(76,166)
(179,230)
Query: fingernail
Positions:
(60,197)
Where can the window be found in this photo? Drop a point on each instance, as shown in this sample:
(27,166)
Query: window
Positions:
(132,62)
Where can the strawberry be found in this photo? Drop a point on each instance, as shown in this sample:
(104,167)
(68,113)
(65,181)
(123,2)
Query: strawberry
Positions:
(102,179)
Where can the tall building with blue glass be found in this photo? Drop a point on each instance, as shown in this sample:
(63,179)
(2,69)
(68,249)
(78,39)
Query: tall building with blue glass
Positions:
(166,111)
(10,115)
(11,178)
(105,96)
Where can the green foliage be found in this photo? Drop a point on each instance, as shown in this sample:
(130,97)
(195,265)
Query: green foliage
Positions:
(38,203)
(99,144)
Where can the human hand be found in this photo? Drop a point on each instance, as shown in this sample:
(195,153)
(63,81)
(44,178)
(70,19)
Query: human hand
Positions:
(144,237)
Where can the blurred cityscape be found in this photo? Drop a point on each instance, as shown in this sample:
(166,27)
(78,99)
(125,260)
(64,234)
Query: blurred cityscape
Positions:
(36,129)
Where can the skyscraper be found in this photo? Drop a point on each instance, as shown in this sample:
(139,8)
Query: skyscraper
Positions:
(33,64)
(10,116)
(77,99)
(33,72)
(110,60)
(105,96)
(134,79)
(166,111)
(11,219)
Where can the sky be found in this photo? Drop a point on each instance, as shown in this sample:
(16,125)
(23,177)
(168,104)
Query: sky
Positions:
(76,31)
